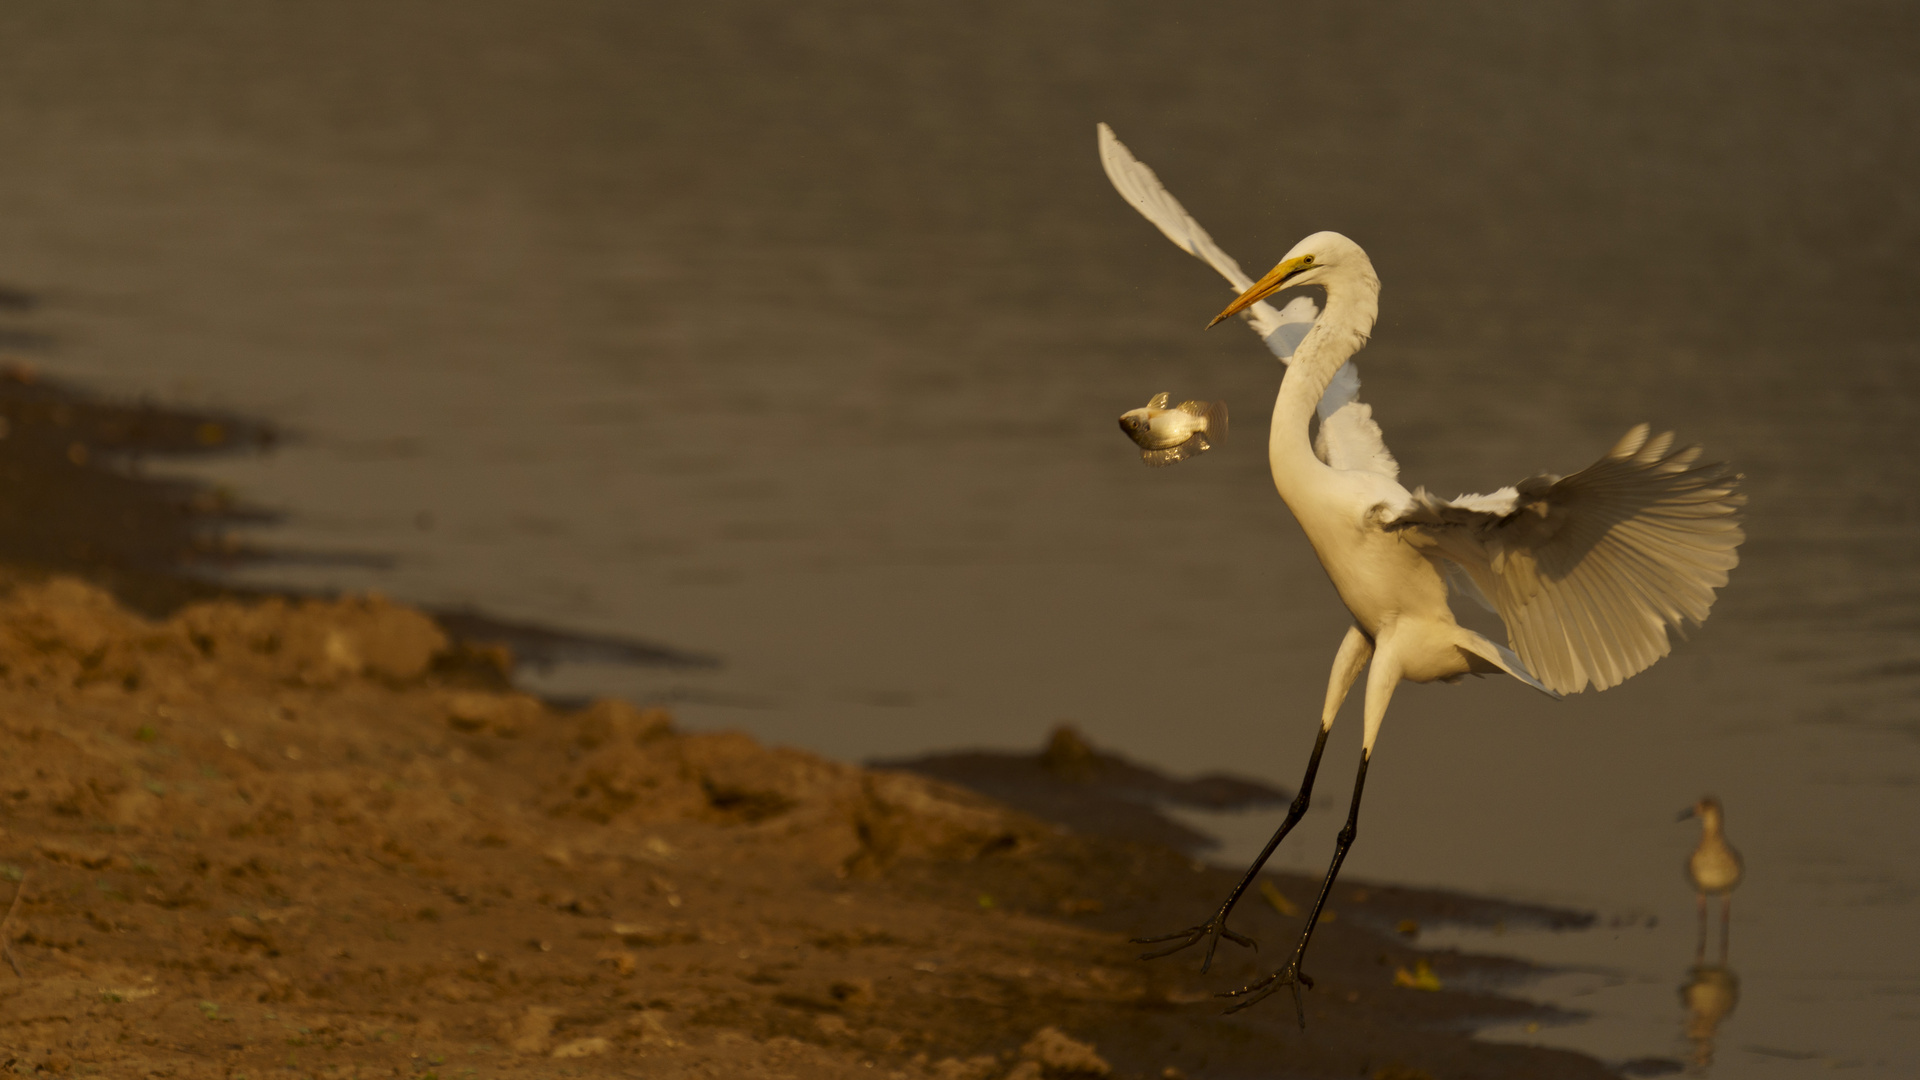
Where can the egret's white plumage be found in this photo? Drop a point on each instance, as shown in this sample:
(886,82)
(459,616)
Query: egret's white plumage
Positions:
(1348,436)
(1588,572)
(1139,186)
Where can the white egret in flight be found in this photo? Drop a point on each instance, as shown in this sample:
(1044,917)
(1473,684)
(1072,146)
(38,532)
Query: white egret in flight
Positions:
(1588,572)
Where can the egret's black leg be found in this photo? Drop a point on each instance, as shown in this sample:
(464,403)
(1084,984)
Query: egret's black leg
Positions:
(1291,975)
(1216,928)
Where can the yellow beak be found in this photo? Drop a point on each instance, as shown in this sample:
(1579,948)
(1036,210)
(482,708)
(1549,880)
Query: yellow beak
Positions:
(1275,280)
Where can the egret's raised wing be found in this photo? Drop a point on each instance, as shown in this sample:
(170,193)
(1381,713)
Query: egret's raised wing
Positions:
(1348,437)
(1139,186)
(1281,329)
(1589,571)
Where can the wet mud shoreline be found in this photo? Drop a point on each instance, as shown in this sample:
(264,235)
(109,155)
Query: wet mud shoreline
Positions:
(256,833)
(271,834)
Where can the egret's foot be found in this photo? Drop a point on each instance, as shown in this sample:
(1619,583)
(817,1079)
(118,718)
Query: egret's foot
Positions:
(1212,931)
(1291,975)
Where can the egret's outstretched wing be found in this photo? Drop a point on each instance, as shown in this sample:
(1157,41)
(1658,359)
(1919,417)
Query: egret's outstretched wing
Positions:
(1589,571)
(1348,437)
(1139,186)
(1281,329)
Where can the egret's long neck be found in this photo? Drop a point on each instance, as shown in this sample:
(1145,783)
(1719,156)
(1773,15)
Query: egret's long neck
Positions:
(1353,303)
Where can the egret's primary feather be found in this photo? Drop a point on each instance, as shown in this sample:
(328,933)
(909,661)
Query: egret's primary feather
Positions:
(1348,438)
(1590,571)
(1281,329)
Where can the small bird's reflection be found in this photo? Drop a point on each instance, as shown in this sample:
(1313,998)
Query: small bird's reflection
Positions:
(1711,990)
(1709,994)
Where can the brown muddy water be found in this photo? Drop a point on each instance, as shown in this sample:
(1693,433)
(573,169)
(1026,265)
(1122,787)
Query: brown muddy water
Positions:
(795,334)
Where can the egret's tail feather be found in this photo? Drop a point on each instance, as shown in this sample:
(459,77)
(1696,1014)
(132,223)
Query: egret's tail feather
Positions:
(1501,657)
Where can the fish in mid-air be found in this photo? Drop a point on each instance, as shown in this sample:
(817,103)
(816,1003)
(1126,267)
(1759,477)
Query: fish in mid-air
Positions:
(1167,435)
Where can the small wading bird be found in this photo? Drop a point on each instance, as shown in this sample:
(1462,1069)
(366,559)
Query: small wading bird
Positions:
(1587,571)
(1714,868)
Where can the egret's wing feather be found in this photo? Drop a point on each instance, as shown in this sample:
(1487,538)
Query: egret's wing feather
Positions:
(1348,437)
(1590,571)
(1281,329)
(1462,582)
(1139,186)
(1341,390)
(1351,440)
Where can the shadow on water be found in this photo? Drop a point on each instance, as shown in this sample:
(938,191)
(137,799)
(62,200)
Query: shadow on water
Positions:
(544,646)
(79,499)
(1094,792)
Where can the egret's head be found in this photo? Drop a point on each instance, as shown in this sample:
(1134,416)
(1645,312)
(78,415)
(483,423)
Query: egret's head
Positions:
(1325,258)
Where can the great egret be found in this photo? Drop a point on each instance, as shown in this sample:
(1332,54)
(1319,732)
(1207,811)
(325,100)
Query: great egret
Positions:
(1587,571)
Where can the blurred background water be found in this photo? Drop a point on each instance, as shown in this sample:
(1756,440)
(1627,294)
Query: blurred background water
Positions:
(795,334)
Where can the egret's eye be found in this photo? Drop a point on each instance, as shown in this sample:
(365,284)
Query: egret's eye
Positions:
(1306,260)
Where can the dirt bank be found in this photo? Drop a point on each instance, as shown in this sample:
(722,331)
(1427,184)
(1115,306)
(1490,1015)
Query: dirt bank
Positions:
(312,839)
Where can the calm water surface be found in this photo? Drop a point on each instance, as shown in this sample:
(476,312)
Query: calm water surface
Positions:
(797,336)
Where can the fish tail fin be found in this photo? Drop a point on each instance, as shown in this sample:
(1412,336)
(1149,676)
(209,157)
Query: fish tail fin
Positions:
(1217,421)
(1175,454)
